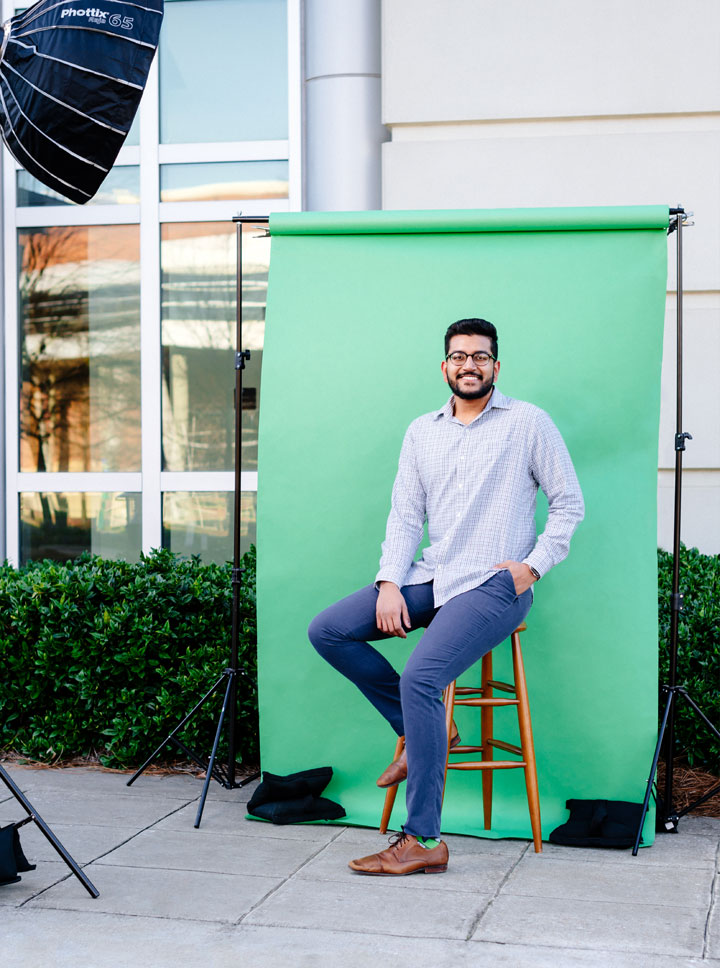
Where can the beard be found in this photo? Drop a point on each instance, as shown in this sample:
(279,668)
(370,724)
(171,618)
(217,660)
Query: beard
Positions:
(481,389)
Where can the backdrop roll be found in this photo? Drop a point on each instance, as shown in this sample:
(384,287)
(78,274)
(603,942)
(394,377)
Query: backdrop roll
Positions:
(357,307)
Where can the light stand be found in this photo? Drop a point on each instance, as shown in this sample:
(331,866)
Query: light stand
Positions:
(670,818)
(230,675)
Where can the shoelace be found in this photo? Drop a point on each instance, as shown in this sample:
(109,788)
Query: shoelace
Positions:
(398,839)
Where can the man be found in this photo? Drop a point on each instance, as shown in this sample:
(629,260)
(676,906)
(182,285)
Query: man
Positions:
(472,471)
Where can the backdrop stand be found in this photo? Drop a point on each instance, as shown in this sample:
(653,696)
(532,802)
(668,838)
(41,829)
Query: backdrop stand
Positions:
(230,675)
(669,818)
(34,817)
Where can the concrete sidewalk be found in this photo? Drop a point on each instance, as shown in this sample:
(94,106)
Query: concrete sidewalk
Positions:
(239,893)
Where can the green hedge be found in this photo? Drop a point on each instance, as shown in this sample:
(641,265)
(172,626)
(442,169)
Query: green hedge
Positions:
(103,657)
(698,651)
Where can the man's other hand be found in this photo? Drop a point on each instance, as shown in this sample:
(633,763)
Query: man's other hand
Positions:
(391,611)
(521,574)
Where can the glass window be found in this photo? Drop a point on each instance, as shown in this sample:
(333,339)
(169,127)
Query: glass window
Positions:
(256,260)
(62,526)
(133,136)
(121,187)
(223,71)
(201,523)
(198,333)
(79,309)
(219,181)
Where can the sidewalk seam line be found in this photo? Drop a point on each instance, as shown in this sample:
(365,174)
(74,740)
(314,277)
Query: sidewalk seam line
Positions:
(711,905)
(94,859)
(481,914)
(290,876)
(601,900)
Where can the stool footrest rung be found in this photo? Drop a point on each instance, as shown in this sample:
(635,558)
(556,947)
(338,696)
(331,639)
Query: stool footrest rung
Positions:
(465,749)
(503,686)
(467,690)
(487,765)
(502,745)
(492,701)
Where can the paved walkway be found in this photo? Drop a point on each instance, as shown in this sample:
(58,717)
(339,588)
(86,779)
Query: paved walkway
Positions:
(237,893)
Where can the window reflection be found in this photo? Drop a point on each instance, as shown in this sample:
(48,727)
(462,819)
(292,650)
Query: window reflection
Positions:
(198,334)
(121,187)
(62,526)
(79,309)
(226,89)
(220,181)
(201,523)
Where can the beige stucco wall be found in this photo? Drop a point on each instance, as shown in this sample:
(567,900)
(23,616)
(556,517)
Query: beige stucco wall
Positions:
(573,102)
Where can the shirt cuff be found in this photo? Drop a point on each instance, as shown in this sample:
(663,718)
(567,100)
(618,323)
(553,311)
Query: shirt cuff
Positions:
(538,563)
(390,574)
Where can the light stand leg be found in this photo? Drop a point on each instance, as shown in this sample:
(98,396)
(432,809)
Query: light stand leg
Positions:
(208,776)
(653,769)
(47,832)
(170,738)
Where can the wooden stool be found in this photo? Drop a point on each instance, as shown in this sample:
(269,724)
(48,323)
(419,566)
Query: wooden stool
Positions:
(484,696)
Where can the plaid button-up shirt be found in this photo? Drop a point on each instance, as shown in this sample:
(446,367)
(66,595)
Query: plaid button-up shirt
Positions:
(476,486)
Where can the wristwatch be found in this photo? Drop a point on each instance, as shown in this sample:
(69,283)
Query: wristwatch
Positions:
(535,572)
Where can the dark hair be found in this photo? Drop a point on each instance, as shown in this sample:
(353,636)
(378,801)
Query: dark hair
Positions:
(472,327)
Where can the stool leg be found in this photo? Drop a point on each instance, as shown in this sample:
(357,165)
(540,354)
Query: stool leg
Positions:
(486,733)
(526,742)
(449,700)
(391,791)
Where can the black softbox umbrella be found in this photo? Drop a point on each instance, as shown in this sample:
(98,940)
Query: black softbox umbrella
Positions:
(71,78)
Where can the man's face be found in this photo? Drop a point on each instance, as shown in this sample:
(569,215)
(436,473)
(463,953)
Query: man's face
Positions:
(468,380)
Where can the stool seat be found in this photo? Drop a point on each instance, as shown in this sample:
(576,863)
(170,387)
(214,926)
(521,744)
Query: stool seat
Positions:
(484,698)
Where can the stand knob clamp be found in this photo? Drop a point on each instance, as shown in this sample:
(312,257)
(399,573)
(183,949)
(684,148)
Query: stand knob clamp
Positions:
(677,602)
(680,440)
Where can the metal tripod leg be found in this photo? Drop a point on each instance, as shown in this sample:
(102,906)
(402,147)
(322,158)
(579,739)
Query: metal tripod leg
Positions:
(684,694)
(170,738)
(47,832)
(653,769)
(218,733)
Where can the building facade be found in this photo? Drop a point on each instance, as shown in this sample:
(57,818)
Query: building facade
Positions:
(119,315)
(571,102)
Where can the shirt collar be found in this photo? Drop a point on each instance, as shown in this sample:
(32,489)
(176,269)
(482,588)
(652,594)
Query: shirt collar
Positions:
(496,400)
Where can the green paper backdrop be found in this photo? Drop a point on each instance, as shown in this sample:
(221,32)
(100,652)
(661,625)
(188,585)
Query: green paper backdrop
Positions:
(357,308)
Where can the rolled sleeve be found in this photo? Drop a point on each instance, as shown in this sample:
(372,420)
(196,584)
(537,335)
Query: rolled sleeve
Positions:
(553,469)
(405,525)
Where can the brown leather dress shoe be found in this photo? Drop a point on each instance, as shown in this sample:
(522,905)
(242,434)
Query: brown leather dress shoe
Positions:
(403,856)
(397,771)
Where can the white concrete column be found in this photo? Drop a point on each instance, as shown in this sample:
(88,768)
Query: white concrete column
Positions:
(343,129)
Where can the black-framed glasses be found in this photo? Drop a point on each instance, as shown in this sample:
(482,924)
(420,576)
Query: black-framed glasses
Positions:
(479,359)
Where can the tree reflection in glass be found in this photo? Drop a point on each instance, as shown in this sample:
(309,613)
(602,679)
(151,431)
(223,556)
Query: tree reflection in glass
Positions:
(79,309)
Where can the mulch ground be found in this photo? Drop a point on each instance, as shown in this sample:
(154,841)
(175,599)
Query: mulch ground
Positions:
(174,768)
(689,784)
